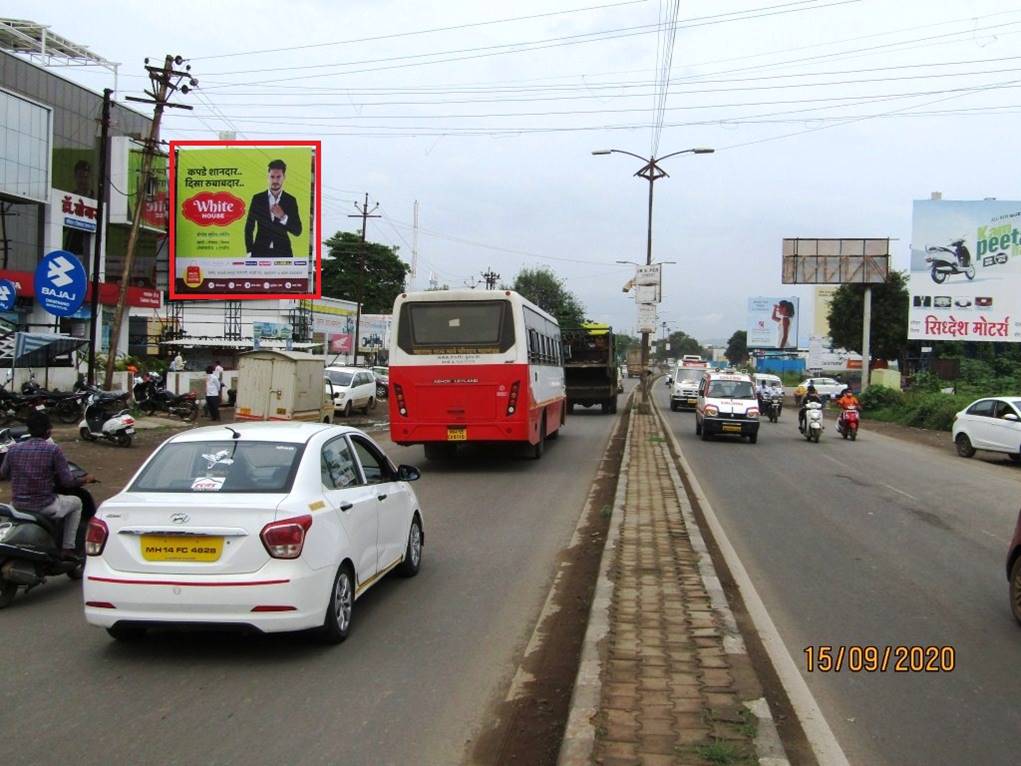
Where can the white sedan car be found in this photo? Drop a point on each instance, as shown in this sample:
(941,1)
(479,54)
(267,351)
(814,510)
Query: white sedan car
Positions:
(270,526)
(992,424)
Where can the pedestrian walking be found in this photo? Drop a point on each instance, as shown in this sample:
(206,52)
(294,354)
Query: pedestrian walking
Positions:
(212,393)
(218,371)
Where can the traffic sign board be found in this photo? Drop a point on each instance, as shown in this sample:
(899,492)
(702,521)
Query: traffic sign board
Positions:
(8,293)
(60,283)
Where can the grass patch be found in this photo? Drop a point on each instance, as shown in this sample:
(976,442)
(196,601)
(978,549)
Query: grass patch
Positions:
(724,753)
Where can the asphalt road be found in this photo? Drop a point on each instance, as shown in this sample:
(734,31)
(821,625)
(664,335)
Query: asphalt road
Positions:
(426,659)
(879,542)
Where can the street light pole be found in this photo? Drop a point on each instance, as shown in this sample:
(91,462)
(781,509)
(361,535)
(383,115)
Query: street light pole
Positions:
(652,172)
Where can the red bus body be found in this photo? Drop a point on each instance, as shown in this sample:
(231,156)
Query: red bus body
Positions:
(493,396)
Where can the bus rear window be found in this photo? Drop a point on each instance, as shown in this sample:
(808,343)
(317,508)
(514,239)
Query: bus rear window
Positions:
(456,327)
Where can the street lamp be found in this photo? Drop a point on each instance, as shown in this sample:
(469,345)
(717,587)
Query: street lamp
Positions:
(651,172)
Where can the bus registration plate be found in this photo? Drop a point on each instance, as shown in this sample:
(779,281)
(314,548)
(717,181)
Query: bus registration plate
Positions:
(457,434)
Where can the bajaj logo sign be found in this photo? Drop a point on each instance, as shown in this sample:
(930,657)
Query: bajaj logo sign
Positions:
(60,283)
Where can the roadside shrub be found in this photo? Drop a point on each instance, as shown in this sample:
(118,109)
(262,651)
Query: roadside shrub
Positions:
(880,397)
(932,410)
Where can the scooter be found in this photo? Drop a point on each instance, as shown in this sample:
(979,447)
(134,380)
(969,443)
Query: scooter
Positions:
(30,545)
(956,261)
(847,423)
(812,429)
(100,424)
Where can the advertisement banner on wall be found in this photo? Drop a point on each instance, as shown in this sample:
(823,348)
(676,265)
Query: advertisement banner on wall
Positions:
(271,330)
(965,280)
(772,322)
(374,332)
(821,318)
(125,177)
(245,221)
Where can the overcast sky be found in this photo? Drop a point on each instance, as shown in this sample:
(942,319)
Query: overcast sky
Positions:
(828,118)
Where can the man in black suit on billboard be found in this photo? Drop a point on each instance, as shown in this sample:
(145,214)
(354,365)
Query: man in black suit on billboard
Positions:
(275,214)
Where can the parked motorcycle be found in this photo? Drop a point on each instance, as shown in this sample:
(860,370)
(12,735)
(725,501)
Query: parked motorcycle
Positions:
(847,423)
(152,397)
(30,545)
(100,423)
(812,428)
(948,261)
(65,406)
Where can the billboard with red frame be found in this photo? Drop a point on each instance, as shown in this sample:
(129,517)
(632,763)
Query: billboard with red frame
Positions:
(245,221)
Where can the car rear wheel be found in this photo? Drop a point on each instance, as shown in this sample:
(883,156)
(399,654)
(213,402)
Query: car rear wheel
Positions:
(347,409)
(963,444)
(370,405)
(413,553)
(1015,590)
(340,609)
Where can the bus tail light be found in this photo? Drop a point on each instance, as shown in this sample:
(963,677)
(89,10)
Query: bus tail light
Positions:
(512,400)
(399,393)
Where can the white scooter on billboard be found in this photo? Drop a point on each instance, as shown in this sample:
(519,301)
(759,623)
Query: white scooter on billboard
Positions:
(118,427)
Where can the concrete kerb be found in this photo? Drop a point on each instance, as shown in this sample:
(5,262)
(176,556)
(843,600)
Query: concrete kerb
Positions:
(580,734)
(820,737)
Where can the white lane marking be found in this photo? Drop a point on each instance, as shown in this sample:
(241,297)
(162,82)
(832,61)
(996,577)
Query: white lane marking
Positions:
(900,492)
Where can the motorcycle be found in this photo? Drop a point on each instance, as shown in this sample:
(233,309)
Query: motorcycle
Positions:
(151,398)
(65,406)
(770,406)
(30,543)
(956,261)
(98,423)
(847,423)
(812,428)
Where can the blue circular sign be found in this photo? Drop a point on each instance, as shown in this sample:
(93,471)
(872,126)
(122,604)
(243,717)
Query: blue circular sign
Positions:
(8,293)
(60,283)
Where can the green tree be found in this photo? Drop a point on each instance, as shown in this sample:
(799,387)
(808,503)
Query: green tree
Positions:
(622,342)
(382,280)
(737,348)
(680,343)
(889,334)
(545,289)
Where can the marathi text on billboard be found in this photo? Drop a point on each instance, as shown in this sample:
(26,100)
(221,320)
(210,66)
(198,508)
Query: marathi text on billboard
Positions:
(965,279)
(245,220)
(773,322)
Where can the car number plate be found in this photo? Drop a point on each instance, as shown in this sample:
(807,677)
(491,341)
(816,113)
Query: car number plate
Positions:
(731,427)
(457,434)
(129,430)
(181,548)
(693,401)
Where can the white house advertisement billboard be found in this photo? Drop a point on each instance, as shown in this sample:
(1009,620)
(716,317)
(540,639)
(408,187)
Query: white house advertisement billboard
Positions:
(772,322)
(965,280)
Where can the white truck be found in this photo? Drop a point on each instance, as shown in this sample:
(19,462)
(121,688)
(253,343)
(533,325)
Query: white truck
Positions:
(684,382)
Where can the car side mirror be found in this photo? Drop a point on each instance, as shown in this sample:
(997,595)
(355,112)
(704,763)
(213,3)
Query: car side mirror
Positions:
(408,473)
(1011,416)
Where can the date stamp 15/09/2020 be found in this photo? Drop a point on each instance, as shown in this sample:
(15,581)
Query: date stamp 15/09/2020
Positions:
(864,658)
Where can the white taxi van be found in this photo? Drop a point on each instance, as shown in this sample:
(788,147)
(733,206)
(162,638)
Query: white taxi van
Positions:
(727,406)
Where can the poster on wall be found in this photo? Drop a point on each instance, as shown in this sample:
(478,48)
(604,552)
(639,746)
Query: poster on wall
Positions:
(334,319)
(374,333)
(245,221)
(965,280)
(773,322)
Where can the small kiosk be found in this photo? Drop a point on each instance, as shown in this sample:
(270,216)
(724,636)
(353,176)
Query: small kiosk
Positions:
(282,385)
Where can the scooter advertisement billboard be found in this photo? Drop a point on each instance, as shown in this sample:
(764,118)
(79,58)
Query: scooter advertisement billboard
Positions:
(245,221)
(965,280)
(773,322)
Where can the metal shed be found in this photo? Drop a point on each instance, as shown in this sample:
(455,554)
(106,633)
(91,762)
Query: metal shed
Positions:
(281,385)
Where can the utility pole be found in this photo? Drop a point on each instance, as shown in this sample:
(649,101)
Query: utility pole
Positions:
(414,250)
(490,277)
(104,150)
(163,83)
(365,214)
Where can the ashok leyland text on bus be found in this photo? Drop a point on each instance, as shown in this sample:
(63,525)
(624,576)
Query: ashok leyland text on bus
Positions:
(474,366)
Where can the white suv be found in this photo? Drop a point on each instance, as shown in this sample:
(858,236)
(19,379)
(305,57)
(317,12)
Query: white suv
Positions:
(353,387)
(727,405)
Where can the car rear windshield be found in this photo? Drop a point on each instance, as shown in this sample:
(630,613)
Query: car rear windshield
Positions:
(456,327)
(339,378)
(221,466)
(731,389)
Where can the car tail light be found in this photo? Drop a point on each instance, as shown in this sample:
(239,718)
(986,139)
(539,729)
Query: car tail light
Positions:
(100,604)
(752,412)
(285,539)
(711,410)
(274,608)
(95,537)
(399,394)
(129,421)
(512,400)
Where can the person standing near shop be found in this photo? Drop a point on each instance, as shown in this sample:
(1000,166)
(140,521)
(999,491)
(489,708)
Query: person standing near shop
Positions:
(218,371)
(212,393)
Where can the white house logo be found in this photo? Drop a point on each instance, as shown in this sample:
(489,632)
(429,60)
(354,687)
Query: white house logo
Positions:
(58,270)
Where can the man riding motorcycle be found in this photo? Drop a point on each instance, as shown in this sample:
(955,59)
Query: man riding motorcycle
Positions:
(811,395)
(36,469)
(848,399)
